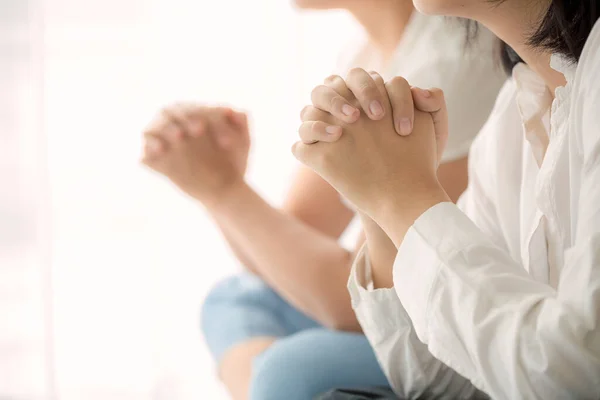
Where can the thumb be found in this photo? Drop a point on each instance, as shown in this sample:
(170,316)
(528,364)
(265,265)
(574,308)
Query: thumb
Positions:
(433,102)
(237,118)
(241,118)
(227,127)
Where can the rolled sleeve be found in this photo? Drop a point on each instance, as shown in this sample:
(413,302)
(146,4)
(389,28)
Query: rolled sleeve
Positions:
(419,259)
(409,366)
(379,311)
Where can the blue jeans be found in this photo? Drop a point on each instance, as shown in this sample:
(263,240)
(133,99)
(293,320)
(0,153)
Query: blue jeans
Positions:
(304,362)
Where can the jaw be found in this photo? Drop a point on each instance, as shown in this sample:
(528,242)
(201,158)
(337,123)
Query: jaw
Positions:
(451,8)
(320,4)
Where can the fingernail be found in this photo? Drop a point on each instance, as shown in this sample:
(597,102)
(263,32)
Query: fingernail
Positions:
(426,93)
(348,110)
(405,126)
(376,108)
(332,130)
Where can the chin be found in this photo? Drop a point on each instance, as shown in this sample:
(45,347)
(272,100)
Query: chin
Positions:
(318,4)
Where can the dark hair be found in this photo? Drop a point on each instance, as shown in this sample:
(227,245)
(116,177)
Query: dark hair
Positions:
(564,30)
(508,57)
(566,27)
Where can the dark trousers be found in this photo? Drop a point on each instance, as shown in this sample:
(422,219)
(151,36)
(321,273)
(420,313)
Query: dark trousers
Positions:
(359,394)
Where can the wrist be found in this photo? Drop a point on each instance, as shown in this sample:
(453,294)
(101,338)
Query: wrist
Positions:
(226,198)
(399,210)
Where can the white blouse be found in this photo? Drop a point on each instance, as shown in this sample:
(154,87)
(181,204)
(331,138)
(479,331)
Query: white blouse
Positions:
(433,52)
(502,292)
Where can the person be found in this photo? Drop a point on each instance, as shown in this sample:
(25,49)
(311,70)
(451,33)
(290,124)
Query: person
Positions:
(287,329)
(499,295)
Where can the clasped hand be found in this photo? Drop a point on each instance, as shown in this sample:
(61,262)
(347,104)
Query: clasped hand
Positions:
(379,144)
(202,150)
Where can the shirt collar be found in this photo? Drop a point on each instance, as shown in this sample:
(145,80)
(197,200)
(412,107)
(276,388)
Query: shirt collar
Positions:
(536,104)
(562,94)
(534,101)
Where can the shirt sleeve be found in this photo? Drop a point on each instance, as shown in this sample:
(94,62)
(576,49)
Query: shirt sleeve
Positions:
(479,311)
(411,369)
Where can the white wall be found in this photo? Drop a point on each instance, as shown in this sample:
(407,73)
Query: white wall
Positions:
(24,246)
(131,257)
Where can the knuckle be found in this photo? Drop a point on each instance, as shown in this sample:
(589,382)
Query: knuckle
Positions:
(365,89)
(336,103)
(315,129)
(296,150)
(185,107)
(304,131)
(375,75)
(354,72)
(311,114)
(165,112)
(170,115)
(399,81)
(438,93)
(171,108)
(317,91)
(403,103)
(326,159)
(332,78)
(304,112)
(300,151)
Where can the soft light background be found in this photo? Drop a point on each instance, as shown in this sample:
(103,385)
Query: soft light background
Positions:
(103,265)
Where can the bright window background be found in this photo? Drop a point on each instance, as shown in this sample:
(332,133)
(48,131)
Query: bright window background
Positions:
(103,264)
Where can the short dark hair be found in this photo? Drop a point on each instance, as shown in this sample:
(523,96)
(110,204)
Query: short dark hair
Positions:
(564,30)
(566,27)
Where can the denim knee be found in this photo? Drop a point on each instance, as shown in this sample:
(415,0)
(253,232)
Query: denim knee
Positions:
(289,369)
(311,362)
(238,309)
(219,296)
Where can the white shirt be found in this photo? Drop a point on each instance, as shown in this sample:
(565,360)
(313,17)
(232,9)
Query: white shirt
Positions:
(433,53)
(504,289)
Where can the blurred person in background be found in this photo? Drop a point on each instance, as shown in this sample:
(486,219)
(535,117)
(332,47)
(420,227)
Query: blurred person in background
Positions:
(285,328)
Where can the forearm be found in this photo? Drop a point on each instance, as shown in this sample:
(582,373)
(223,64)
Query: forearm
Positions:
(381,252)
(307,267)
(452,182)
(235,247)
(319,207)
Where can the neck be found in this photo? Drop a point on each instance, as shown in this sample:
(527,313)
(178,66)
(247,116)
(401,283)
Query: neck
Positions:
(513,25)
(384,21)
